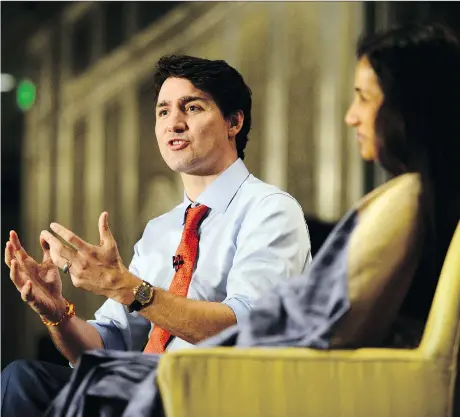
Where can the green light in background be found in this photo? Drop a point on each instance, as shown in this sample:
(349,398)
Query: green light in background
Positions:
(25,95)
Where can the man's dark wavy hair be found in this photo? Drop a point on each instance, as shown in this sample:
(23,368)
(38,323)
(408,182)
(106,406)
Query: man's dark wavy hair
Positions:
(418,123)
(224,83)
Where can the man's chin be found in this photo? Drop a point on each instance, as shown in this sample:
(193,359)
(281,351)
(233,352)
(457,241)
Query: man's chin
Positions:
(195,170)
(183,167)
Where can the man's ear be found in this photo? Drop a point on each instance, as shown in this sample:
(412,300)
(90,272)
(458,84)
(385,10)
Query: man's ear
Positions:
(236,123)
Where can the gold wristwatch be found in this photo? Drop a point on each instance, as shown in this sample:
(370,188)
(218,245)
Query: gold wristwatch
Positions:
(143,296)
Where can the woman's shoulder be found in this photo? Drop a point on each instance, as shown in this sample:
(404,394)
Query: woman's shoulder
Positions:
(402,188)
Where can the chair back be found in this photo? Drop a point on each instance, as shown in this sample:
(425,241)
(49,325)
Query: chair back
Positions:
(441,336)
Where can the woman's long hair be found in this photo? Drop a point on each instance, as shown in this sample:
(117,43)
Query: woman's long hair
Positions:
(418,128)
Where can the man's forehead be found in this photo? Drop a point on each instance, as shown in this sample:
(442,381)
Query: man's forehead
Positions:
(174,89)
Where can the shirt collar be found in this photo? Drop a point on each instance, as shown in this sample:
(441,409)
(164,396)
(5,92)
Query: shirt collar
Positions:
(218,195)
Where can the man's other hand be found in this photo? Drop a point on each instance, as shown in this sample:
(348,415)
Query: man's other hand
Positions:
(95,268)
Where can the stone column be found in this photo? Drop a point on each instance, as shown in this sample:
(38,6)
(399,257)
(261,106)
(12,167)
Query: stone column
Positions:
(64,170)
(128,165)
(94,172)
(328,118)
(276,104)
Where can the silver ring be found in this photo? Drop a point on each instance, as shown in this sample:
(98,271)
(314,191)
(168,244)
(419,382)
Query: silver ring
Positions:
(67,266)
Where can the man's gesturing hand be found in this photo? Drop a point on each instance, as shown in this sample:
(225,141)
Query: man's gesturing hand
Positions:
(98,269)
(39,283)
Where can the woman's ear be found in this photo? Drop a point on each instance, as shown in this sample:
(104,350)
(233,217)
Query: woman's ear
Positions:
(236,123)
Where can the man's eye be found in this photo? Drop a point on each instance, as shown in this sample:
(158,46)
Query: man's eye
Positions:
(162,113)
(193,108)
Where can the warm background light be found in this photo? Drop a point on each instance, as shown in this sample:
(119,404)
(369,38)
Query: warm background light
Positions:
(8,82)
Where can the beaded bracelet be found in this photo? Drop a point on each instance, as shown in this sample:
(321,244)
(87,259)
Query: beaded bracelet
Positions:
(69,312)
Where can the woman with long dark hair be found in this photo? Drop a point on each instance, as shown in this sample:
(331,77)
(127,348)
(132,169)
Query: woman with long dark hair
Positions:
(415,72)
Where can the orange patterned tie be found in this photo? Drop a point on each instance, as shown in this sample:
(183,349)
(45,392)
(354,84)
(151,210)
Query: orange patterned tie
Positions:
(183,262)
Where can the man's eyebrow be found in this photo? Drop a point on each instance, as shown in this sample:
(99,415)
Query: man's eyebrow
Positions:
(184,100)
(188,99)
(163,103)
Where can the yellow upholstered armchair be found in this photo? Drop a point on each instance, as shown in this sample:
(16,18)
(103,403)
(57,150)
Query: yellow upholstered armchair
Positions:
(295,382)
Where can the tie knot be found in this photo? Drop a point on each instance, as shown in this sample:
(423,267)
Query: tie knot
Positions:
(194,216)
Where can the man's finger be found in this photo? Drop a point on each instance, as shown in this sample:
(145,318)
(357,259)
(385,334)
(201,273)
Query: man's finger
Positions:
(19,252)
(60,253)
(9,253)
(104,231)
(44,244)
(69,236)
(14,275)
(26,292)
(46,250)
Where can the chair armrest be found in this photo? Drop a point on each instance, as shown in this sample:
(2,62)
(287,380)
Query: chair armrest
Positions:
(296,382)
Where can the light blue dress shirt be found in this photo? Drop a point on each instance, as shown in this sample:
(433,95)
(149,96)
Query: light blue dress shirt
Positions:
(254,237)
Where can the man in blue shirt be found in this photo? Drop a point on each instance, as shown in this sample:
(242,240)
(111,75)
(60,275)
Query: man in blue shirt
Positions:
(253,237)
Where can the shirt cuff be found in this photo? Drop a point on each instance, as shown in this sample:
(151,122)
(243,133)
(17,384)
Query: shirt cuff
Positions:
(110,335)
(240,306)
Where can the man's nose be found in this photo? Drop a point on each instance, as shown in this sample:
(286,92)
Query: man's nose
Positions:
(176,122)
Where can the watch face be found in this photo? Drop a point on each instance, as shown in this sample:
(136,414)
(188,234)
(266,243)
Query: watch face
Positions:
(143,294)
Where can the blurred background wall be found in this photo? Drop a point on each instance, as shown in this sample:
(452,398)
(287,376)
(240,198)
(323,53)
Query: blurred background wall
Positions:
(79,137)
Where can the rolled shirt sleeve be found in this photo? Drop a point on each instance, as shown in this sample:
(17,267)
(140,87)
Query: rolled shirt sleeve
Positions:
(272,245)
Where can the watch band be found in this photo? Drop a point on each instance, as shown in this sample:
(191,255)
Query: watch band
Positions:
(134,306)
